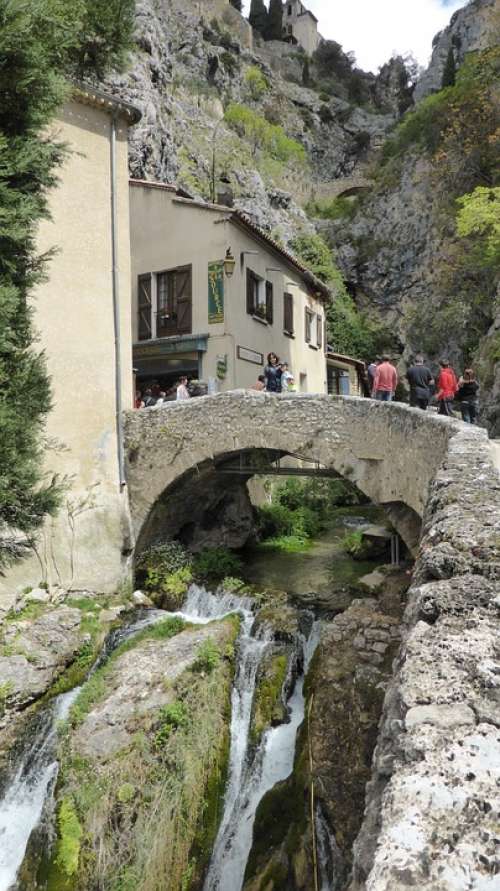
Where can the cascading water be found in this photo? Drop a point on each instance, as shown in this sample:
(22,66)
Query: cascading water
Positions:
(272,763)
(22,805)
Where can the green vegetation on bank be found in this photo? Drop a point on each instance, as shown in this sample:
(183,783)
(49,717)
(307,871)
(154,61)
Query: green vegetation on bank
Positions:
(41,44)
(300,510)
(268,139)
(167,570)
(152,809)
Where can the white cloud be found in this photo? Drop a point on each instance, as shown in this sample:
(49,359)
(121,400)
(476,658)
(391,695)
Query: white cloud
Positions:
(376,29)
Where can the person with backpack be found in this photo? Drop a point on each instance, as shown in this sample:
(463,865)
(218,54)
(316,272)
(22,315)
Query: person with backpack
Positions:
(420,380)
(447,386)
(467,396)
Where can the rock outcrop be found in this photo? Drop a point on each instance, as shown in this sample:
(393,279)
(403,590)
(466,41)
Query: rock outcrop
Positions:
(144,762)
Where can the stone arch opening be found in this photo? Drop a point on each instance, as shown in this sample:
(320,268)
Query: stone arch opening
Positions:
(390,451)
(210,505)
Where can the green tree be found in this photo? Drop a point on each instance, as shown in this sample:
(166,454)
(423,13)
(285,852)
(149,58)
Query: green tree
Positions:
(258,16)
(479,217)
(40,43)
(274,28)
(450,70)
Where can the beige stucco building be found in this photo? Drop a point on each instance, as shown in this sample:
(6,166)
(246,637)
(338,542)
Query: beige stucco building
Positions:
(82,314)
(300,26)
(190,317)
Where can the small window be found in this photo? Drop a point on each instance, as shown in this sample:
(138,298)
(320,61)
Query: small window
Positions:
(309,319)
(288,314)
(319,332)
(290,29)
(259,297)
(289,9)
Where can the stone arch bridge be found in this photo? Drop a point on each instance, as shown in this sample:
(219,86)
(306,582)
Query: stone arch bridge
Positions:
(436,767)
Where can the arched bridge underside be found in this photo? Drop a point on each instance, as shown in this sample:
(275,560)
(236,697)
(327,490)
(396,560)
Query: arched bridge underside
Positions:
(436,768)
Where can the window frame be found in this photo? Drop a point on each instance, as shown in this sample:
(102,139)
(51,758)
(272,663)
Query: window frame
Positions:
(308,326)
(289,330)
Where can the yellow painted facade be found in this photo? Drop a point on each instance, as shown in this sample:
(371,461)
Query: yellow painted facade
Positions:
(82,547)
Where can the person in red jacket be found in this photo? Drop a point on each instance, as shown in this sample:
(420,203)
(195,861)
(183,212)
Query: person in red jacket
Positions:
(386,381)
(447,386)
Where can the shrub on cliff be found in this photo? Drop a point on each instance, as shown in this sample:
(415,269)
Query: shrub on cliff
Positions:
(269,139)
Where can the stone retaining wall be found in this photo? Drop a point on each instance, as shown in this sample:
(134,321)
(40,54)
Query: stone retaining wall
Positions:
(431,820)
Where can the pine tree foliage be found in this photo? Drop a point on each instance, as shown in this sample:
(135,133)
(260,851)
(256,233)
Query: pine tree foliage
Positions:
(450,70)
(258,16)
(41,41)
(274,27)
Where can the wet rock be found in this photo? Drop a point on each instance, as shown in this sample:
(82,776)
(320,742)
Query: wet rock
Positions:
(141,599)
(35,652)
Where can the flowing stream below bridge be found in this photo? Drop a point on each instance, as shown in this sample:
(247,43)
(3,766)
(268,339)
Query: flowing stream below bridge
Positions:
(29,793)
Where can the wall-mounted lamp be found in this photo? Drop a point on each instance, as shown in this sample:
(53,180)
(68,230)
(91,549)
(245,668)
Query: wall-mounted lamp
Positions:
(242,256)
(229,263)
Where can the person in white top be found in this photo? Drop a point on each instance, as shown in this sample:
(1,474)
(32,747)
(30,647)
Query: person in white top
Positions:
(287,379)
(182,390)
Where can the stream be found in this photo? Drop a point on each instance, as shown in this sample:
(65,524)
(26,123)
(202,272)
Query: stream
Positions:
(33,780)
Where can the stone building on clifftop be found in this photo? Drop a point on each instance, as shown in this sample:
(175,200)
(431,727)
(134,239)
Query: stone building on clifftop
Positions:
(300,26)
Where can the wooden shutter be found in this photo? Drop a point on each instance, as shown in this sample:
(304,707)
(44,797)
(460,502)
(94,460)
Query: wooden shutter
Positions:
(144,307)
(250,292)
(308,320)
(319,331)
(269,302)
(183,299)
(288,313)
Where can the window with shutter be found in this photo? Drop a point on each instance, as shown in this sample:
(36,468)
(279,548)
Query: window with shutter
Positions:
(251,293)
(308,325)
(174,298)
(144,307)
(288,313)
(319,331)
(269,302)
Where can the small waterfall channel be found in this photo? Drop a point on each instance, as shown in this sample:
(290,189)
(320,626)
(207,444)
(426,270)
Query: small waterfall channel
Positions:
(31,787)
(32,783)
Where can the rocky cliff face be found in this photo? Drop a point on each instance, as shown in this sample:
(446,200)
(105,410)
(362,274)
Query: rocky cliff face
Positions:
(470,29)
(189,68)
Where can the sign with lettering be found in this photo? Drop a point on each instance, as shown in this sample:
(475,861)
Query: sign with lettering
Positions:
(250,356)
(216,292)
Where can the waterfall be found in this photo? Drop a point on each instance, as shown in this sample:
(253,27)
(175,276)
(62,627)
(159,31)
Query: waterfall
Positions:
(330,861)
(22,805)
(272,763)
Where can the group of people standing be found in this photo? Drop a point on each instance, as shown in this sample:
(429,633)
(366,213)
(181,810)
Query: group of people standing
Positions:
(277,377)
(154,396)
(446,387)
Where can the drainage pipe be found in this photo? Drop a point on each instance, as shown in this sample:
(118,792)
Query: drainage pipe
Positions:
(116,307)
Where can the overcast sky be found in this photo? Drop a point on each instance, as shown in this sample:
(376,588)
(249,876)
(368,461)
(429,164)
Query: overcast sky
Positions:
(376,29)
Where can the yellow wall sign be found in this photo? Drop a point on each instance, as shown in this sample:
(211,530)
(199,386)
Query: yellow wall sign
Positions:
(216,292)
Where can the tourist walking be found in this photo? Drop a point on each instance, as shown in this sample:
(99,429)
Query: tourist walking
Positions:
(447,386)
(272,374)
(386,381)
(371,372)
(467,396)
(182,390)
(149,399)
(420,380)
(287,379)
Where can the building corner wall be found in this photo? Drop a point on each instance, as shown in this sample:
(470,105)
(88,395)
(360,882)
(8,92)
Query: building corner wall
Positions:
(86,545)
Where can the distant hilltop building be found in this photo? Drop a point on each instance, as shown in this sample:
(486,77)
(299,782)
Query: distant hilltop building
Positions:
(300,26)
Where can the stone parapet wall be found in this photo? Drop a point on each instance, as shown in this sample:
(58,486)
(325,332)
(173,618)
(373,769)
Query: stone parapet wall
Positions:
(430,816)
